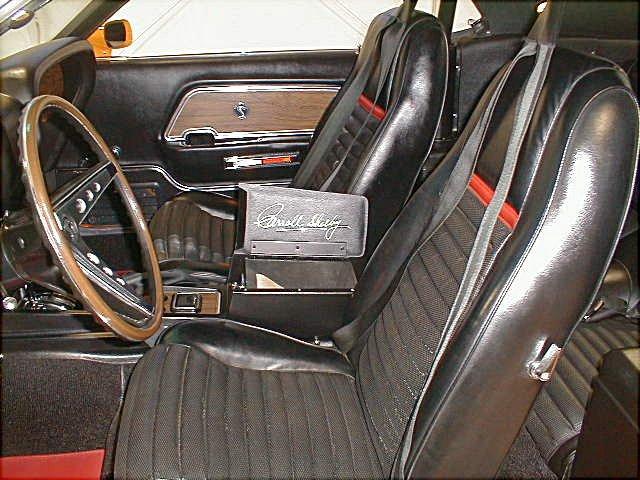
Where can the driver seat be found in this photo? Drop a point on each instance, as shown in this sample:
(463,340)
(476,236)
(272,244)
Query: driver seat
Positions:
(378,153)
(220,399)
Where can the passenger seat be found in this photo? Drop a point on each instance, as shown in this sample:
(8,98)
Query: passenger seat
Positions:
(379,153)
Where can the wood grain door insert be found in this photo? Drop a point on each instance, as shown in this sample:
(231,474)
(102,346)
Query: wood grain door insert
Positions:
(269,110)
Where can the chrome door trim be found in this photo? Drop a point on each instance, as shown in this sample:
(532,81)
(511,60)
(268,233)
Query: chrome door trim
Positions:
(241,137)
(185,187)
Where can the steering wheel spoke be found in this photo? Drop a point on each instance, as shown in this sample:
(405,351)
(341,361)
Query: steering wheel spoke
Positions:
(74,201)
(107,280)
(104,277)
(104,293)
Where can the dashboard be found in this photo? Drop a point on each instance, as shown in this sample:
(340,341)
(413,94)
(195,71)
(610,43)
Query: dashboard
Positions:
(64,67)
(52,81)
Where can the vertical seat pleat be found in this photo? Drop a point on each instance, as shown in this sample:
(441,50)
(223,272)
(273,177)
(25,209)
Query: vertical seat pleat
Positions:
(401,345)
(187,415)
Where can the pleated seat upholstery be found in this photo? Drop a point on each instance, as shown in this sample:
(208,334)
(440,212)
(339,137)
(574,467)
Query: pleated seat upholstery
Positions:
(185,232)
(199,418)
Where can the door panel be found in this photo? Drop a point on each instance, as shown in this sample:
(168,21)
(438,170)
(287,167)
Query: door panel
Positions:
(136,102)
(248,113)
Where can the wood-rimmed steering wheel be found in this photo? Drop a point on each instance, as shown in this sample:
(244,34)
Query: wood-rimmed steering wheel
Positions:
(58,218)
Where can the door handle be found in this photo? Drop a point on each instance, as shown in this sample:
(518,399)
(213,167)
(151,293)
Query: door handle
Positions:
(260,161)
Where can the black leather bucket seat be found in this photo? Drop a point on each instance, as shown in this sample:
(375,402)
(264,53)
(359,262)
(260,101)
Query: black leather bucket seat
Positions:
(220,399)
(383,142)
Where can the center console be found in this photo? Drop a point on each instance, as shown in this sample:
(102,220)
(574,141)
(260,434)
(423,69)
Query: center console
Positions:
(291,269)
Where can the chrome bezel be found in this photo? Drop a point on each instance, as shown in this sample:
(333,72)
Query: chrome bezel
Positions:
(235,138)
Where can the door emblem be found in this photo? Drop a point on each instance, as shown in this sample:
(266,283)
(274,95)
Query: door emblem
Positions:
(241,110)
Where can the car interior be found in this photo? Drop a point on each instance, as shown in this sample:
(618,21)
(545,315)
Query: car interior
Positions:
(416,259)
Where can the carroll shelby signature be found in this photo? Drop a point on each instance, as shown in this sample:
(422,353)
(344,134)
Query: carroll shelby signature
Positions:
(270,218)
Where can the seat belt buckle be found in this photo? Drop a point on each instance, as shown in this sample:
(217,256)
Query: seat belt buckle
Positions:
(543,369)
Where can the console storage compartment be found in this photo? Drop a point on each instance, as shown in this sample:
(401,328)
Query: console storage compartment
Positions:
(303,298)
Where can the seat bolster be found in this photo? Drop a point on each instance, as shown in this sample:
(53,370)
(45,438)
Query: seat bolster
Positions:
(254,348)
(219,206)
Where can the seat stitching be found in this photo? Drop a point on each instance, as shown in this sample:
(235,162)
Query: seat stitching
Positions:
(599,343)
(424,308)
(465,216)
(292,461)
(399,331)
(392,355)
(557,405)
(308,423)
(245,422)
(179,419)
(446,264)
(332,379)
(155,415)
(555,441)
(568,389)
(326,417)
(373,424)
(396,402)
(226,420)
(370,413)
(447,302)
(456,242)
(608,337)
(622,336)
(576,370)
(384,408)
(403,302)
(430,278)
(545,426)
(205,416)
(575,341)
(267,422)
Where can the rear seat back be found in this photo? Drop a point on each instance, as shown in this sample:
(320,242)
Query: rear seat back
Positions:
(619,292)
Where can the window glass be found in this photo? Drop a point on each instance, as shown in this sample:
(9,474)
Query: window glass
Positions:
(46,23)
(180,27)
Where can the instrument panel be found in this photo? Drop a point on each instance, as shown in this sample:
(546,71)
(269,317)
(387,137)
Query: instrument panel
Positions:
(63,67)
(52,81)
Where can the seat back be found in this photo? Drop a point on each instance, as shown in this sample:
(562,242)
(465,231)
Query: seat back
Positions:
(383,150)
(548,254)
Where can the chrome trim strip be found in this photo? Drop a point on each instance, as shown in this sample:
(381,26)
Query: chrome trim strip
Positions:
(241,137)
(193,188)
(244,162)
(209,55)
